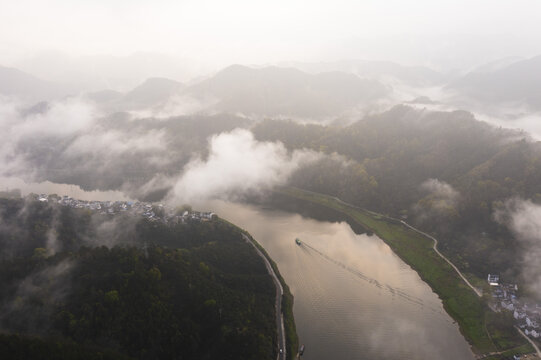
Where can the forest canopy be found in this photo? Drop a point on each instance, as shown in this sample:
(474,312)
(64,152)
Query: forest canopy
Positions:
(194,290)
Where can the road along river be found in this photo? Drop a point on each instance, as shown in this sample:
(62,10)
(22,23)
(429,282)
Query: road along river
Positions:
(354,298)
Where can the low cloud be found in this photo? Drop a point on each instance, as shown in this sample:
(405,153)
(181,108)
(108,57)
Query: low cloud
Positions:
(35,298)
(69,141)
(153,190)
(523,218)
(112,231)
(23,127)
(114,142)
(512,115)
(529,123)
(441,199)
(440,189)
(238,164)
(176,105)
(60,118)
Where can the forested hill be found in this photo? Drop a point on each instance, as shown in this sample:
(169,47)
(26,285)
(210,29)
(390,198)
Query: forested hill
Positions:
(179,291)
(444,171)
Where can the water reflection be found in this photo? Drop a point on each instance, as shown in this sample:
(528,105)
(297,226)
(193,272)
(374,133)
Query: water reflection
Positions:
(340,315)
(47,187)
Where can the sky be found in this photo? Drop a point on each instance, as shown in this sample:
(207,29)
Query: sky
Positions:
(442,34)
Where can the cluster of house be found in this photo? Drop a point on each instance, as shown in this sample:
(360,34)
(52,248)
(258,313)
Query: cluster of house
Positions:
(526,314)
(152,212)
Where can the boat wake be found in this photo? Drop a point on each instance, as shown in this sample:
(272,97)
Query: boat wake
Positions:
(385,287)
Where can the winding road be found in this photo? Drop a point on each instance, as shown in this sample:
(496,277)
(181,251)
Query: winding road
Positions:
(278,303)
(435,247)
(477,291)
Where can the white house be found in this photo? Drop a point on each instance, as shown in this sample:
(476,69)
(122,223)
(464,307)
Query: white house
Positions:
(493,280)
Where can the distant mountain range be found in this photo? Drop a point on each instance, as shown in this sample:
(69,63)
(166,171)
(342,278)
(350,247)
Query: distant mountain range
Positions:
(97,72)
(277,91)
(270,91)
(306,90)
(152,92)
(516,83)
(16,83)
(418,76)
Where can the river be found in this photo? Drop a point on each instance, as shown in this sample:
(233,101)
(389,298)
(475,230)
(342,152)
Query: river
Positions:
(354,298)
(47,187)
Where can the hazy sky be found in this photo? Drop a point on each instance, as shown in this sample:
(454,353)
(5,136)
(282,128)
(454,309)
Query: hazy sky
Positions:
(419,31)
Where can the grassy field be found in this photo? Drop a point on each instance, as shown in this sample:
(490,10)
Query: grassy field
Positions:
(485,331)
(520,350)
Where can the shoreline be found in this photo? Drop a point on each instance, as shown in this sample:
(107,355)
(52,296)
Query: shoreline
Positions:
(288,320)
(416,249)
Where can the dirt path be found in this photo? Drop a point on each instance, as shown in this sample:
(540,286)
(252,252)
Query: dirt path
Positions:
(530,341)
(477,291)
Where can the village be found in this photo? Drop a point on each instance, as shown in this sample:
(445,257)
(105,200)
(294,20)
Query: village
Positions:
(152,212)
(527,314)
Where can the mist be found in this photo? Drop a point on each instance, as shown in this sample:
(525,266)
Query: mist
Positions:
(523,218)
(423,115)
(440,200)
(237,165)
(71,129)
(217,33)
(48,287)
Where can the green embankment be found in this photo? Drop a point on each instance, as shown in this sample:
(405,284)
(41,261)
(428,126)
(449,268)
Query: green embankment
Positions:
(460,302)
(508,354)
(292,340)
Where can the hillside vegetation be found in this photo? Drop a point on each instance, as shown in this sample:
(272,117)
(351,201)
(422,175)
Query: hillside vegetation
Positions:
(194,290)
(445,172)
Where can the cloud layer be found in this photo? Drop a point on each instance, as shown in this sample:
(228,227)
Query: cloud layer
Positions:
(440,189)
(441,200)
(70,141)
(238,164)
(523,218)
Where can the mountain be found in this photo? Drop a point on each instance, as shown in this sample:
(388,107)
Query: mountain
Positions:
(104,96)
(153,90)
(151,93)
(447,172)
(498,64)
(275,91)
(417,76)
(517,83)
(16,83)
(120,73)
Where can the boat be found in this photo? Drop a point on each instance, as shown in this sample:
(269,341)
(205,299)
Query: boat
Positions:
(297,241)
(301,349)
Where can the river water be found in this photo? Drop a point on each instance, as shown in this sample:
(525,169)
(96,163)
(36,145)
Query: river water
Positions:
(354,298)
(47,187)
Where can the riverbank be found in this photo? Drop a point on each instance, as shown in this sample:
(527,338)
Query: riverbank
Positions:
(485,333)
(291,338)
